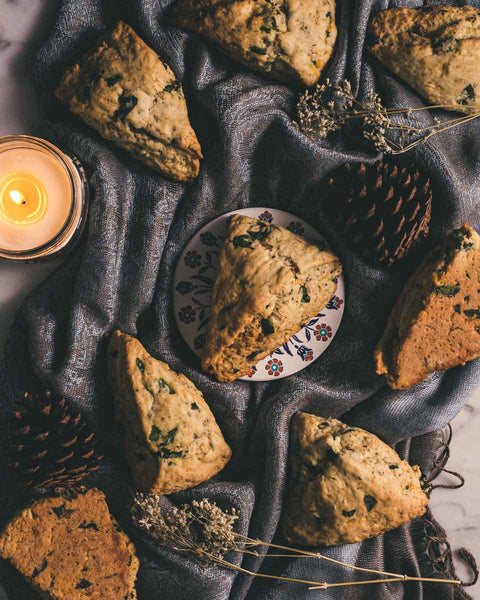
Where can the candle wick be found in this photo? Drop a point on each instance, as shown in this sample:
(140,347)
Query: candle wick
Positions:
(17,197)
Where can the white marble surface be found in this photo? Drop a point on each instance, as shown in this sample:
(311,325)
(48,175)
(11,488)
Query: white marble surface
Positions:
(22,25)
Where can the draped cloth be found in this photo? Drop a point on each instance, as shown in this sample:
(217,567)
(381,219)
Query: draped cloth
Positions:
(120,276)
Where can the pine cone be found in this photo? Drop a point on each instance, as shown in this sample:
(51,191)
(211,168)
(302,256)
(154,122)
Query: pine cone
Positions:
(51,448)
(383,210)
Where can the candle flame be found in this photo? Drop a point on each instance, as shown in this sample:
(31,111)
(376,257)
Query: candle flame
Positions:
(17,197)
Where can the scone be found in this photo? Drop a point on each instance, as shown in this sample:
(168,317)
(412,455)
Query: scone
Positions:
(69,547)
(269,283)
(290,40)
(172,441)
(345,485)
(435,323)
(129,95)
(435,49)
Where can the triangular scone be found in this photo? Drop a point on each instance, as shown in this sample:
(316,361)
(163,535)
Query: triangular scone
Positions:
(70,547)
(172,441)
(435,323)
(290,40)
(435,49)
(269,283)
(129,95)
(345,485)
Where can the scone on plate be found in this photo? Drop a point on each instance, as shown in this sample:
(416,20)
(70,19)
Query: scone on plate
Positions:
(70,546)
(130,96)
(290,40)
(345,485)
(269,283)
(435,49)
(172,441)
(435,323)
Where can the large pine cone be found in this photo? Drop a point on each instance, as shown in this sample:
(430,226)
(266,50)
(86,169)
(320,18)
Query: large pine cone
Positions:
(382,210)
(51,448)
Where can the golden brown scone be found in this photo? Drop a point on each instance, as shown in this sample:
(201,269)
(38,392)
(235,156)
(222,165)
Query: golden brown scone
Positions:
(345,485)
(172,441)
(435,49)
(69,547)
(269,283)
(122,89)
(290,40)
(435,323)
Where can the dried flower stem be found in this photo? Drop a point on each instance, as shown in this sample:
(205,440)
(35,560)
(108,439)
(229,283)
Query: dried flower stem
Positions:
(206,531)
(305,553)
(316,585)
(313,585)
(323,586)
(317,117)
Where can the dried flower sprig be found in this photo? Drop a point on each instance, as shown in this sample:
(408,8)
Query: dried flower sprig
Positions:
(331,107)
(205,531)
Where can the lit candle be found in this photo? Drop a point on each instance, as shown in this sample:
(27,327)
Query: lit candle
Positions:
(23,198)
(43,198)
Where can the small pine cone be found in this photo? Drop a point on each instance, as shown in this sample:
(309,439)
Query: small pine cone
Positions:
(383,210)
(51,448)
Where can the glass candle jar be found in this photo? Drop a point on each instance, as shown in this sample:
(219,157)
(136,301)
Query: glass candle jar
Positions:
(43,199)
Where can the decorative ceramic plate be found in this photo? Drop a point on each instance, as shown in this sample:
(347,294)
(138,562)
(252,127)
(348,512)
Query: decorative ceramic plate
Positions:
(193,283)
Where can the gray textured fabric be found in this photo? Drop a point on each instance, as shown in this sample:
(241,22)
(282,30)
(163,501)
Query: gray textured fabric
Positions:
(121,277)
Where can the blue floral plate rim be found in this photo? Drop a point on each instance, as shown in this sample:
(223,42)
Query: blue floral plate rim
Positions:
(193,282)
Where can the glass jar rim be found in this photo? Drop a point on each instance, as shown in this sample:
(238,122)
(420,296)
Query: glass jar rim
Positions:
(79,196)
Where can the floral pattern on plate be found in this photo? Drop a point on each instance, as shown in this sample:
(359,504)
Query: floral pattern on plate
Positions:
(193,283)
